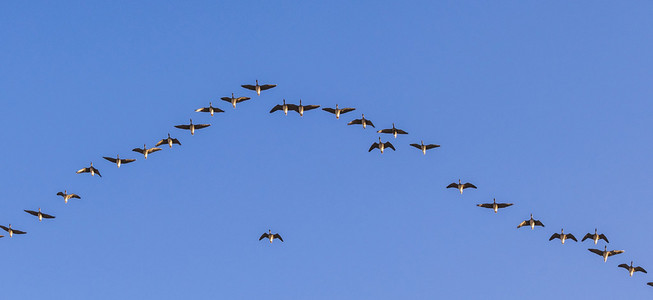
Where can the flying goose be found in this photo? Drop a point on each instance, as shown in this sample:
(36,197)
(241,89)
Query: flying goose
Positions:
(532,223)
(595,237)
(494,205)
(192,126)
(392,130)
(381,145)
(145,151)
(302,108)
(91,170)
(212,109)
(39,214)
(168,141)
(632,269)
(361,121)
(12,231)
(461,186)
(270,236)
(605,253)
(562,236)
(233,100)
(258,88)
(285,107)
(423,147)
(118,161)
(337,111)
(67,196)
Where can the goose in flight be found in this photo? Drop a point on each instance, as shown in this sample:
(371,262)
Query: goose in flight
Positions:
(67,196)
(361,121)
(91,170)
(392,130)
(562,236)
(337,111)
(168,141)
(258,88)
(284,107)
(233,100)
(423,147)
(118,161)
(212,109)
(532,223)
(605,253)
(192,127)
(302,108)
(461,186)
(12,231)
(381,145)
(595,237)
(494,205)
(39,214)
(632,269)
(145,151)
(270,236)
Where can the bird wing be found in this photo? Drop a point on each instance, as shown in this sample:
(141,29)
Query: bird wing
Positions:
(96,171)
(309,107)
(370,123)
(4,228)
(602,236)
(224,99)
(596,251)
(267,86)
(587,236)
(486,205)
(399,131)
(126,161)
(431,146)
(18,231)
(84,170)
(374,146)
(139,150)
(47,216)
(418,146)
(276,107)
(331,110)
(265,235)
(60,194)
(571,237)
(293,107)
(538,223)
(111,159)
(389,145)
(452,185)
(187,127)
(502,205)
(346,110)
(238,100)
(650,283)
(215,109)
(249,87)
(31,212)
(176,141)
(355,122)
(152,150)
(640,269)
(524,223)
(203,109)
(200,126)
(615,252)
(278,236)
(75,196)
(385,131)
(625,266)
(161,142)
(555,236)
(468,185)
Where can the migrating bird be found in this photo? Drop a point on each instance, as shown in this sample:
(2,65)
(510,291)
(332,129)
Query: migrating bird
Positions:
(361,121)
(168,141)
(461,186)
(145,151)
(192,126)
(91,170)
(532,223)
(562,236)
(302,108)
(494,205)
(270,236)
(233,100)
(337,111)
(423,147)
(595,237)
(632,269)
(67,196)
(118,161)
(258,88)
(284,107)
(39,214)
(12,231)
(381,145)
(212,109)
(605,253)
(392,130)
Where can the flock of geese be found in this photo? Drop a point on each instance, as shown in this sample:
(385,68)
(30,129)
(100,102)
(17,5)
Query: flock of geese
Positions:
(337,111)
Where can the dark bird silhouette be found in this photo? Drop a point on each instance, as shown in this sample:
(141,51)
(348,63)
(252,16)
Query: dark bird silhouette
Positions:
(361,121)
(12,231)
(632,269)
(337,111)
(39,214)
(168,141)
(233,100)
(531,222)
(595,237)
(605,253)
(91,170)
(381,145)
(494,205)
(192,127)
(258,88)
(563,237)
(423,147)
(212,109)
(145,151)
(284,107)
(118,161)
(394,131)
(270,236)
(67,196)
(461,186)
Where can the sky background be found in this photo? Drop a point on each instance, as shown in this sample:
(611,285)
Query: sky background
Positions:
(545,104)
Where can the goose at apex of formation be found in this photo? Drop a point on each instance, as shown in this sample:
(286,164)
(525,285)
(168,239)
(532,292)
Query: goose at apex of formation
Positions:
(270,236)
(90,169)
(392,130)
(258,88)
(361,121)
(531,222)
(632,269)
(337,111)
(423,147)
(562,236)
(595,237)
(302,108)
(118,161)
(12,231)
(284,107)
(168,141)
(605,253)
(39,214)
(67,196)
(494,205)
(381,145)
(145,151)
(212,109)
(192,127)
(233,100)
(461,186)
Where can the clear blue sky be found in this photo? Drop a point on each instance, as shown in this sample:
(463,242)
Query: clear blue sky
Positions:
(545,104)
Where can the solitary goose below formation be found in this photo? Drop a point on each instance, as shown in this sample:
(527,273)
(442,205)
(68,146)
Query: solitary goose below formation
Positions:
(605,253)
(168,141)
(39,214)
(381,145)
(532,223)
(118,161)
(270,236)
(337,111)
(595,237)
(67,196)
(12,231)
(361,121)
(233,100)
(258,88)
(302,108)
(91,170)
(392,130)
(632,269)
(192,127)
(145,151)
(562,236)
(423,147)
(212,109)
(461,186)
(284,107)
(494,205)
